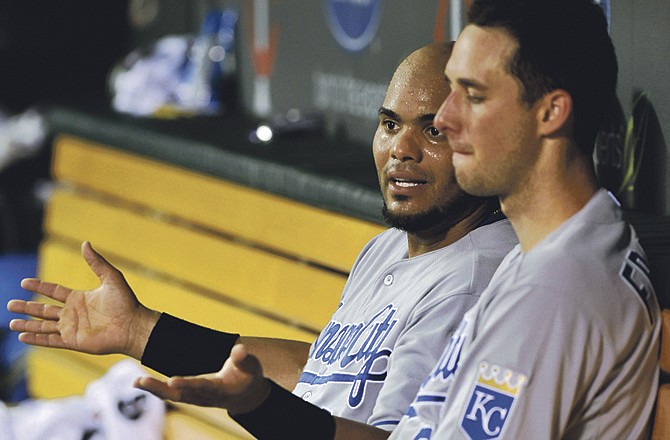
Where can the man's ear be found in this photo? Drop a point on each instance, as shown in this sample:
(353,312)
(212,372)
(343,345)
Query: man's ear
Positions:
(554,112)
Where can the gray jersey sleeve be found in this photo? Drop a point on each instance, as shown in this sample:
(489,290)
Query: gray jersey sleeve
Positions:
(556,360)
(562,344)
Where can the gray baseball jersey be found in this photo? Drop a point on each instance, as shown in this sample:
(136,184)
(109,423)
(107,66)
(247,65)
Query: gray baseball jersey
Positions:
(562,344)
(395,316)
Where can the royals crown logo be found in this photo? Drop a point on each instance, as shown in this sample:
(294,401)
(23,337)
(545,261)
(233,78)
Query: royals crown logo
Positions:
(491,403)
(496,378)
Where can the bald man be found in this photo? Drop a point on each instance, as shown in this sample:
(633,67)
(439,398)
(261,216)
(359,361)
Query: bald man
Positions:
(404,298)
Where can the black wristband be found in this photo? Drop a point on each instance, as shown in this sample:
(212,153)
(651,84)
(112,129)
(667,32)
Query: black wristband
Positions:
(180,348)
(284,415)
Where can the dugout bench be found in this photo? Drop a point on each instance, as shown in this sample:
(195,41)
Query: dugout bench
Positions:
(242,237)
(206,225)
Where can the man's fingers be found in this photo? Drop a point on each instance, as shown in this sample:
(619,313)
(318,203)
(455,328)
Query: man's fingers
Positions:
(17,305)
(202,390)
(158,388)
(98,264)
(33,326)
(244,361)
(43,340)
(198,390)
(51,290)
(34,309)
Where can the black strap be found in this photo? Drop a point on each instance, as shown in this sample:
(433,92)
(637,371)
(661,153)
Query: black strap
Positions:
(284,415)
(180,348)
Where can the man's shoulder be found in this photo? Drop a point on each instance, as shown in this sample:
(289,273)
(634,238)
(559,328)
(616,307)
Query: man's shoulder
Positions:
(389,240)
(383,249)
(499,234)
(595,273)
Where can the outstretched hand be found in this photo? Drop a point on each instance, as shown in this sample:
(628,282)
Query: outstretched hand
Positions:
(239,387)
(108,319)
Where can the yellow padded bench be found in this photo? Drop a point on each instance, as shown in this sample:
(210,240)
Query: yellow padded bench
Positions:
(220,254)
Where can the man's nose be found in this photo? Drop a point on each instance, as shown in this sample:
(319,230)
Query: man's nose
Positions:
(406,146)
(445,119)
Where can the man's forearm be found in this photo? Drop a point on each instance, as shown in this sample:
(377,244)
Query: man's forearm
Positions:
(282,359)
(180,348)
(177,347)
(283,415)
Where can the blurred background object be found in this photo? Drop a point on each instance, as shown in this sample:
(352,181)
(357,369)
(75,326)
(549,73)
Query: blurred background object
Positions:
(23,174)
(49,52)
(180,74)
(22,169)
(110,408)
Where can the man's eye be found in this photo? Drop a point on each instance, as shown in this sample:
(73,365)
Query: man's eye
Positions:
(390,125)
(434,135)
(475,99)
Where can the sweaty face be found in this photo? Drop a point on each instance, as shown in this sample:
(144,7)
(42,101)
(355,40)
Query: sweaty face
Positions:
(412,157)
(492,132)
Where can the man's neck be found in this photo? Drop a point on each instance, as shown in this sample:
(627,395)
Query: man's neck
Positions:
(540,208)
(438,238)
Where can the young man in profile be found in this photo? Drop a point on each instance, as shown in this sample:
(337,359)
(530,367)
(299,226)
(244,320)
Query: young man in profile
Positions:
(564,341)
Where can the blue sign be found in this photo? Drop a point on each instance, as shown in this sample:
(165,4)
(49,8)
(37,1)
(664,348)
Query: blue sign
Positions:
(353,23)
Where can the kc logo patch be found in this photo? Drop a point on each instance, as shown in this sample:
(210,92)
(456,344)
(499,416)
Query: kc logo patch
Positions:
(491,402)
